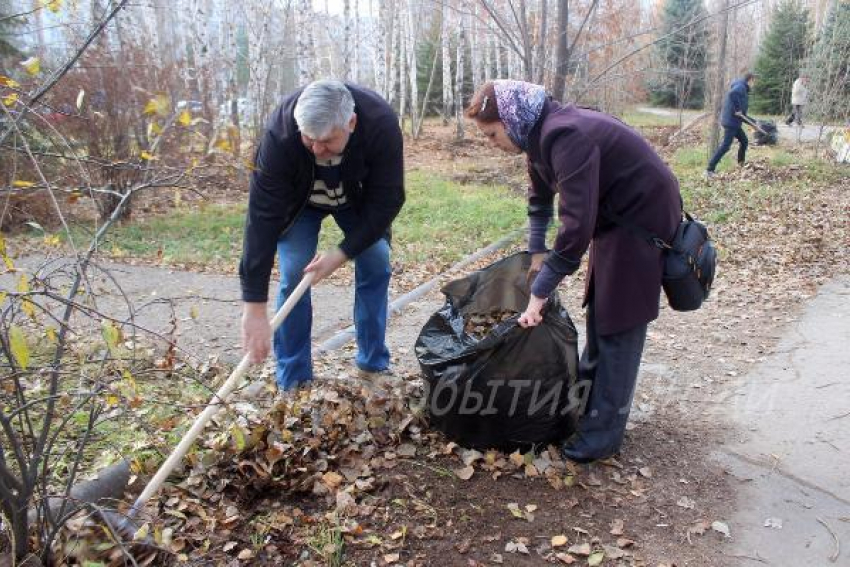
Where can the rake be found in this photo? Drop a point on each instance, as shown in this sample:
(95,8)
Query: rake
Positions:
(127,524)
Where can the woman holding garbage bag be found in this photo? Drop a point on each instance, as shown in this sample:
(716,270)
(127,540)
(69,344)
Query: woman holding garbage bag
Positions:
(610,185)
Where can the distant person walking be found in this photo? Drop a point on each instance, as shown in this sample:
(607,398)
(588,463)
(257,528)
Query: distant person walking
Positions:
(732,116)
(799,99)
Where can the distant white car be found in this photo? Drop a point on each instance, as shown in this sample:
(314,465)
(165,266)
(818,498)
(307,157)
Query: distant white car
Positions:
(190,105)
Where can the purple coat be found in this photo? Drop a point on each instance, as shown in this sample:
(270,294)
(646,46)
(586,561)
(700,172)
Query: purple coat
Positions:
(594,161)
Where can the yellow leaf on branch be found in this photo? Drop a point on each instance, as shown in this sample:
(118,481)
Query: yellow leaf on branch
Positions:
(52,5)
(223,144)
(21,184)
(26,305)
(185,118)
(159,105)
(147,156)
(111,334)
(18,346)
(7,82)
(10,99)
(32,65)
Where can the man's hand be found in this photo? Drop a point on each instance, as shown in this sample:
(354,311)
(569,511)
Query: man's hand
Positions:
(256,332)
(532,315)
(325,264)
(536,266)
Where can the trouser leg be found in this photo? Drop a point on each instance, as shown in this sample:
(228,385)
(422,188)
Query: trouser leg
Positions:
(742,147)
(292,339)
(372,273)
(728,136)
(610,363)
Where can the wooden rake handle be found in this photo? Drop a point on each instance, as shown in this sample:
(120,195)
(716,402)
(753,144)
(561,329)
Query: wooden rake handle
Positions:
(214,405)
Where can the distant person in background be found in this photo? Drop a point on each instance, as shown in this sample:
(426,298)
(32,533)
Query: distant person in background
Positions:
(732,116)
(799,99)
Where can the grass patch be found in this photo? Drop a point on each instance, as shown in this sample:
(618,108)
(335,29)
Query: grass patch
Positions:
(441,221)
(638,119)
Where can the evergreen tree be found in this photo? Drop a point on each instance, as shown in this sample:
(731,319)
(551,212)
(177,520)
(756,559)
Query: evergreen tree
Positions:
(682,50)
(780,57)
(829,65)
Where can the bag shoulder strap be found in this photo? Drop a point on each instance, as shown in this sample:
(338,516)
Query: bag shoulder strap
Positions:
(638,231)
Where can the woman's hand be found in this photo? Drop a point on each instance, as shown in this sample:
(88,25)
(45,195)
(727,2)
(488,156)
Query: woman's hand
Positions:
(532,316)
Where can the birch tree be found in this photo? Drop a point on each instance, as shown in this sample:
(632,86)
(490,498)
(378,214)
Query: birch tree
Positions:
(412,67)
(346,40)
(305,43)
(458,95)
(380,47)
(445,47)
(541,43)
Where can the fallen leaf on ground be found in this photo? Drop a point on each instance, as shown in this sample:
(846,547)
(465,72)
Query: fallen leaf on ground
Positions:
(617,526)
(721,527)
(465,473)
(775,523)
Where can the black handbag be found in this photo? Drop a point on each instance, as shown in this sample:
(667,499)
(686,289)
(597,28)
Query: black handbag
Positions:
(690,260)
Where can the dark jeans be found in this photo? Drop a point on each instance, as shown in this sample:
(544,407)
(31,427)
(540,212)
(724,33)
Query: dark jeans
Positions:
(610,363)
(730,134)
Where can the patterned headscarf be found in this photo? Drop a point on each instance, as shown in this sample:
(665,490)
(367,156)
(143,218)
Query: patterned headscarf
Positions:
(520,105)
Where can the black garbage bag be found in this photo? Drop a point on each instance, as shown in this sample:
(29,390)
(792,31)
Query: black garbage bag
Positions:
(769,136)
(512,389)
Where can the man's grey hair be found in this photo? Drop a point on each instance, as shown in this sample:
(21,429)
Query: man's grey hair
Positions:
(323,106)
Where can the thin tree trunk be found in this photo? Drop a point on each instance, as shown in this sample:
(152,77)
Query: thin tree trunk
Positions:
(448,94)
(488,56)
(459,83)
(720,82)
(305,47)
(562,53)
(412,67)
(497,51)
(417,128)
(356,51)
(380,59)
(474,53)
(346,39)
(392,67)
(541,43)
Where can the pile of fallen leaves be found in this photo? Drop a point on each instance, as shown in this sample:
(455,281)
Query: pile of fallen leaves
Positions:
(331,445)
(760,170)
(479,325)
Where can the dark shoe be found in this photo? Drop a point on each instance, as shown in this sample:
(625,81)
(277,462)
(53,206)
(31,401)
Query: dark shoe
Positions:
(572,450)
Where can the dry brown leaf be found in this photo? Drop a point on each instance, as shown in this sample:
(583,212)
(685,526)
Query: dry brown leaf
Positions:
(617,526)
(465,473)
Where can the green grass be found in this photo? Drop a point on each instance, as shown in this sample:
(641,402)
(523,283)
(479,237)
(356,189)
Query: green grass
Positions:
(441,221)
(637,119)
